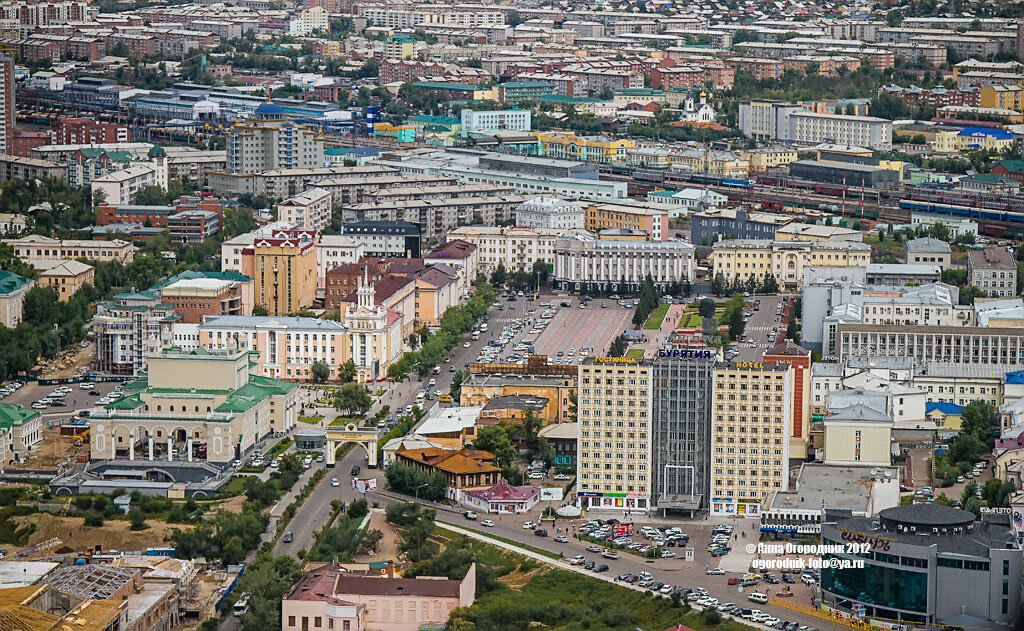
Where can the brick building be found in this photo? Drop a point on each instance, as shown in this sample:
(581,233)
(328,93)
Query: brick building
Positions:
(154,215)
(22,141)
(85,131)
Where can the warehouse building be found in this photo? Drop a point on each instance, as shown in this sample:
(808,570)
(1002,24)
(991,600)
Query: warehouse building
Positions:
(852,175)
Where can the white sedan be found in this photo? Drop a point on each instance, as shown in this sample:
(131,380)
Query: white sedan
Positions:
(529,525)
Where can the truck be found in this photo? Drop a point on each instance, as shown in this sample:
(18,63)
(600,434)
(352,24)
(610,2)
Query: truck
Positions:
(609,553)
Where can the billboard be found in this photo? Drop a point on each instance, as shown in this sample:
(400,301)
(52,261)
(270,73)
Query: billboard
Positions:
(551,493)
(622,529)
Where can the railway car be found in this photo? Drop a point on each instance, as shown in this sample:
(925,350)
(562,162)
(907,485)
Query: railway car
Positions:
(658,177)
(735,182)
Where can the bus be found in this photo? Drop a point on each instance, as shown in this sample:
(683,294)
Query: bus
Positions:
(241,605)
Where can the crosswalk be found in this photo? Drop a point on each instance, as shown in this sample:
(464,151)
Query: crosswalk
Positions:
(758,328)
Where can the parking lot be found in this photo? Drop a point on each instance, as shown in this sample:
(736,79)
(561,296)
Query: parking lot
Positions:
(574,332)
(76,399)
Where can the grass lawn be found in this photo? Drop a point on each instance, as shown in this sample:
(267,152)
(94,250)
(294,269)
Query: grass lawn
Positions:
(635,353)
(881,249)
(692,321)
(529,594)
(345,420)
(312,420)
(657,317)
(232,488)
(441,530)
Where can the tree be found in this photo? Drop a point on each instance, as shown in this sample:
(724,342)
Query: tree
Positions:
(894,18)
(260,310)
(769,285)
(618,347)
(137,518)
(499,276)
(321,372)
(455,391)
(347,371)
(413,341)
(495,439)
(352,399)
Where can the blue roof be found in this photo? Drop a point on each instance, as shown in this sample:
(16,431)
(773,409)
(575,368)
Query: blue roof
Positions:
(269,108)
(1015,377)
(945,408)
(999,134)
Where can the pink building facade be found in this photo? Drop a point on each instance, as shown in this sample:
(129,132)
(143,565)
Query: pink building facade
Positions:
(331,599)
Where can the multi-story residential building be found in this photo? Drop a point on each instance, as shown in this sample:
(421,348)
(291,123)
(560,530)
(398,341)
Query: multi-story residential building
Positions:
(583,263)
(121,187)
(707,226)
(309,210)
(681,431)
(43,252)
(196,295)
(766,158)
(269,141)
(628,216)
(483,120)
(799,361)
(950,344)
(957,226)
(67,278)
(790,122)
(19,168)
(12,297)
(742,259)
(383,239)
(550,212)
(359,188)
(330,597)
(7,102)
(569,146)
(514,248)
(864,131)
(284,266)
(938,96)
(993,271)
(751,426)
(129,328)
(22,141)
(157,216)
(437,216)
(513,92)
(928,251)
(227,412)
(85,131)
(615,414)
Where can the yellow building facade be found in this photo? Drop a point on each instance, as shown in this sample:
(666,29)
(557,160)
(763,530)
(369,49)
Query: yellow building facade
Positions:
(752,417)
(479,389)
(284,269)
(722,163)
(599,149)
(858,435)
(1006,97)
(740,259)
(761,160)
(67,278)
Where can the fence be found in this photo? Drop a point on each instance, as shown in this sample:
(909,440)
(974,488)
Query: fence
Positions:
(230,588)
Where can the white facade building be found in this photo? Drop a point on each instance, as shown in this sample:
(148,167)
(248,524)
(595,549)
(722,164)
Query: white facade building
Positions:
(481,120)
(550,212)
(515,248)
(120,187)
(582,262)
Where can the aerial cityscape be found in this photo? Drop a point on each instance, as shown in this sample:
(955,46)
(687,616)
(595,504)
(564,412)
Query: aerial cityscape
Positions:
(533,315)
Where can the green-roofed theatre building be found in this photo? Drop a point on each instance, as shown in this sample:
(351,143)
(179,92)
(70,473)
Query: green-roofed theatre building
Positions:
(191,408)
(20,429)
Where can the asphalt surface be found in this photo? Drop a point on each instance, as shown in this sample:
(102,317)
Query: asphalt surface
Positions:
(759,328)
(77,399)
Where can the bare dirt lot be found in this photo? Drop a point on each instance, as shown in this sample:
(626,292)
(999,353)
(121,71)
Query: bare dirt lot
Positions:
(60,368)
(53,450)
(113,535)
(387,549)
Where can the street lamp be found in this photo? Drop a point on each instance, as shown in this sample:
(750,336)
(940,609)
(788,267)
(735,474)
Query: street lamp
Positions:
(418,489)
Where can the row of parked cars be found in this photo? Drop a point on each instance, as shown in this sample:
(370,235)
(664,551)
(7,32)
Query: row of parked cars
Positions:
(10,388)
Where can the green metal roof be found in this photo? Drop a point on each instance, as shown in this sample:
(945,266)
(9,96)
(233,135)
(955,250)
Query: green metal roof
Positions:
(11,415)
(130,402)
(191,275)
(11,282)
(558,98)
(526,84)
(444,120)
(443,85)
(138,295)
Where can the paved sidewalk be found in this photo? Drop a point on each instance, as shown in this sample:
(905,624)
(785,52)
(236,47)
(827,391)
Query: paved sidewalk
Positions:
(277,511)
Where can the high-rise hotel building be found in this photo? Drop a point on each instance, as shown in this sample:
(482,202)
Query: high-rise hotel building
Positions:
(750,431)
(614,412)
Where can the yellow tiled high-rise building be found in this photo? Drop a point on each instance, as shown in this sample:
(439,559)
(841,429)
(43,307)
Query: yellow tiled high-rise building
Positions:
(750,430)
(613,456)
(284,268)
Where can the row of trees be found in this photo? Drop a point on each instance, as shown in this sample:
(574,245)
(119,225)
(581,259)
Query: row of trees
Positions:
(766,284)
(454,324)
(649,300)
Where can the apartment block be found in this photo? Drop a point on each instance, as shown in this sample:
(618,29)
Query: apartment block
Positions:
(514,248)
(615,411)
(627,216)
(309,210)
(993,271)
(751,425)
(284,266)
(43,252)
(483,120)
(949,344)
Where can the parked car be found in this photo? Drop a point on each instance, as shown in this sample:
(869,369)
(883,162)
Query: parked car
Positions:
(334,482)
(715,571)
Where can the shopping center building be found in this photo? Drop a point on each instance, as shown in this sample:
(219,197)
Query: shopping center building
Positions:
(927,564)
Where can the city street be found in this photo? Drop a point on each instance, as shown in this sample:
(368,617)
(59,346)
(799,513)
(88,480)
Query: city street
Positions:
(759,327)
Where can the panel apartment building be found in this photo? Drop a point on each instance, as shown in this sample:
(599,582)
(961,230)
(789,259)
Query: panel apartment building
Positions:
(788,122)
